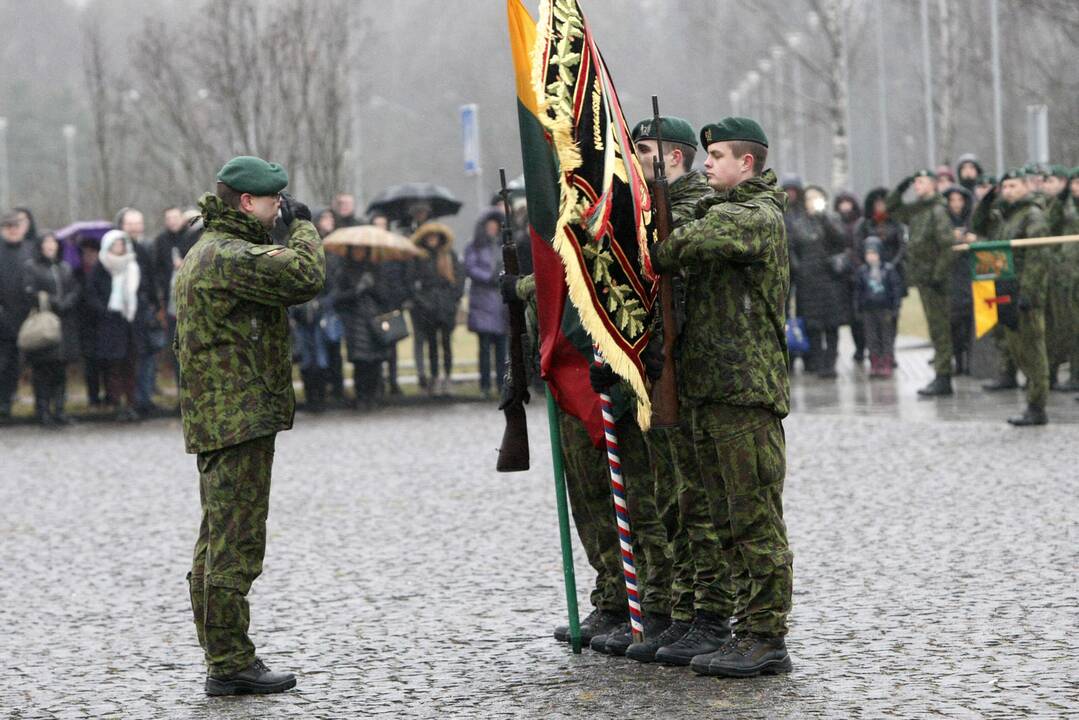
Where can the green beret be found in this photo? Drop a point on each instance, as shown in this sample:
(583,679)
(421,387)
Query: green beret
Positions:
(1016,173)
(247,174)
(1059,171)
(672,129)
(731,129)
(987,180)
(1035,169)
(1075,173)
(924,172)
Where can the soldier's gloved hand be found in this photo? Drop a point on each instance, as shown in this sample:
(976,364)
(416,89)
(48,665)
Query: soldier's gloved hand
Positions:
(652,357)
(601,377)
(507,287)
(293,209)
(904,184)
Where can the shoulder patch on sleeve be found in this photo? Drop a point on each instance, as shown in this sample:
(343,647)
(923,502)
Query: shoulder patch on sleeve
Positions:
(270,250)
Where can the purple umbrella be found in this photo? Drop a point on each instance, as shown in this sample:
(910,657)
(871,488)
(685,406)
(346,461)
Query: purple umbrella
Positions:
(73,234)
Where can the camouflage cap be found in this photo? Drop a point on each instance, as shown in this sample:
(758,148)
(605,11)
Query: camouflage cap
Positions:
(247,174)
(1016,173)
(672,129)
(731,129)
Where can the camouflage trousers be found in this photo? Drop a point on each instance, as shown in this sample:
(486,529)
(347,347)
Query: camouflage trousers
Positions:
(742,456)
(1062,324)
(589,486)
(699,579)
(234,486)
(1026,346)
(938,318)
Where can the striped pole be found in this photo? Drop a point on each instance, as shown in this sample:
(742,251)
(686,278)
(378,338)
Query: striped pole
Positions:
(621,510)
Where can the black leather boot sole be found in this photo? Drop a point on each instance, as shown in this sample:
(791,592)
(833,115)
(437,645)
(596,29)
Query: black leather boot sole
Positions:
(215,686)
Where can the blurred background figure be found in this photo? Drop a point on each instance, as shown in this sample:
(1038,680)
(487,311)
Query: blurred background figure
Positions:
(15,251)
(114,297)
(819,252)
(437,285)
(486,311)
(48,276)
(355,300)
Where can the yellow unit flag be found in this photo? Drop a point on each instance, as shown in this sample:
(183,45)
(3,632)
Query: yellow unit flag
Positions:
(985,306)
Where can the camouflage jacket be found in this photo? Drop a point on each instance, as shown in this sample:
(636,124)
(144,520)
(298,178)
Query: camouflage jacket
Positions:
(733,348)
(232,334)
(929,248)
(685,192)
(999,220)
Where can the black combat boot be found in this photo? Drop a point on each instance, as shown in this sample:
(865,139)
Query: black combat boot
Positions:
(1006,381)
(598,622)
(745,657)
(599,642)
(619,640)
(941,386)
(646,651)
(1033,415)
(706,634)
(255,679)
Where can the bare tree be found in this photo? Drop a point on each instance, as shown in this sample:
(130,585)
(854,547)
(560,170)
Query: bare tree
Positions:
(100,83)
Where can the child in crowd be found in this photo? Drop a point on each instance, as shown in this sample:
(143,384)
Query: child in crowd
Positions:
(878,292)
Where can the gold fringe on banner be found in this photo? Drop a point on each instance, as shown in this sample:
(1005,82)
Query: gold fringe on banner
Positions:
(560,124)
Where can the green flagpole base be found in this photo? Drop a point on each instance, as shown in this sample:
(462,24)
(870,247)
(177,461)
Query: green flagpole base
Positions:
(563,524)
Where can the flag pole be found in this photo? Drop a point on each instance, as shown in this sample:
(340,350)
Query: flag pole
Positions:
(621,509)
(563,524)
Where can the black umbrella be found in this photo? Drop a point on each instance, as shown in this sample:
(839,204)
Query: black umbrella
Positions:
(395,200)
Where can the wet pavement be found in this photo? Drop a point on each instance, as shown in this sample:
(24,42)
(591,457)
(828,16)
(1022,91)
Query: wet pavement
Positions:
(935,570)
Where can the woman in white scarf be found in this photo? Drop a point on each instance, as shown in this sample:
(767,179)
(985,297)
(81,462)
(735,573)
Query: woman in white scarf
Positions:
(118,257)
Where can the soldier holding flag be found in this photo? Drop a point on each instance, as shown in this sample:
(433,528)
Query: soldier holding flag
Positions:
(733,375)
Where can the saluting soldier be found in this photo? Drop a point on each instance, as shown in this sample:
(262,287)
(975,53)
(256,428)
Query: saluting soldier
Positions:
(236,394)
(929,266)
(733,377)
(1019,214)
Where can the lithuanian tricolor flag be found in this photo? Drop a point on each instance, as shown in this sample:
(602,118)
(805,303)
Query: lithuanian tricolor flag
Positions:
(563,363)
(589,204)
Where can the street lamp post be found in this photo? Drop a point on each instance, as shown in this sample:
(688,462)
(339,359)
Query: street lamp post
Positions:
(882,96)
(5,176)
(780,115)
(794,41)
(72,185)
(998,119)
(930,127)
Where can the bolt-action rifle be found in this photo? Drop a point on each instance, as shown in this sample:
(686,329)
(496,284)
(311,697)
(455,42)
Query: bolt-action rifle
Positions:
(513,453)
(665,389)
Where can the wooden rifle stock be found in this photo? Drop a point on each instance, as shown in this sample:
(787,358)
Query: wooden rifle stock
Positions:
(513,453)
(665,389)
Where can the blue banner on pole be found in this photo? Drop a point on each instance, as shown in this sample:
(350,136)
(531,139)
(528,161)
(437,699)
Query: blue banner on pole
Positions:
(470,137)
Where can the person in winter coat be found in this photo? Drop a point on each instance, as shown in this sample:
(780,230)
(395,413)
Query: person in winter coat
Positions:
(93,369)
(437,285)
(877,294)
(819,251)
(151,334)
(114,297)
(48,276)
(355,300)
(892,234)
(849,211)
(486,312)
(967,171)
(15,251)
(393,291)
(960,207)
(334,375)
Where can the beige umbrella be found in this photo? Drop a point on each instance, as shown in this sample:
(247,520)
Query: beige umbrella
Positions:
(382,244)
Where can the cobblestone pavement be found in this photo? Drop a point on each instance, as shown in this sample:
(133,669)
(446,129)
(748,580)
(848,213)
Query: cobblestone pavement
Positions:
(935,574)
